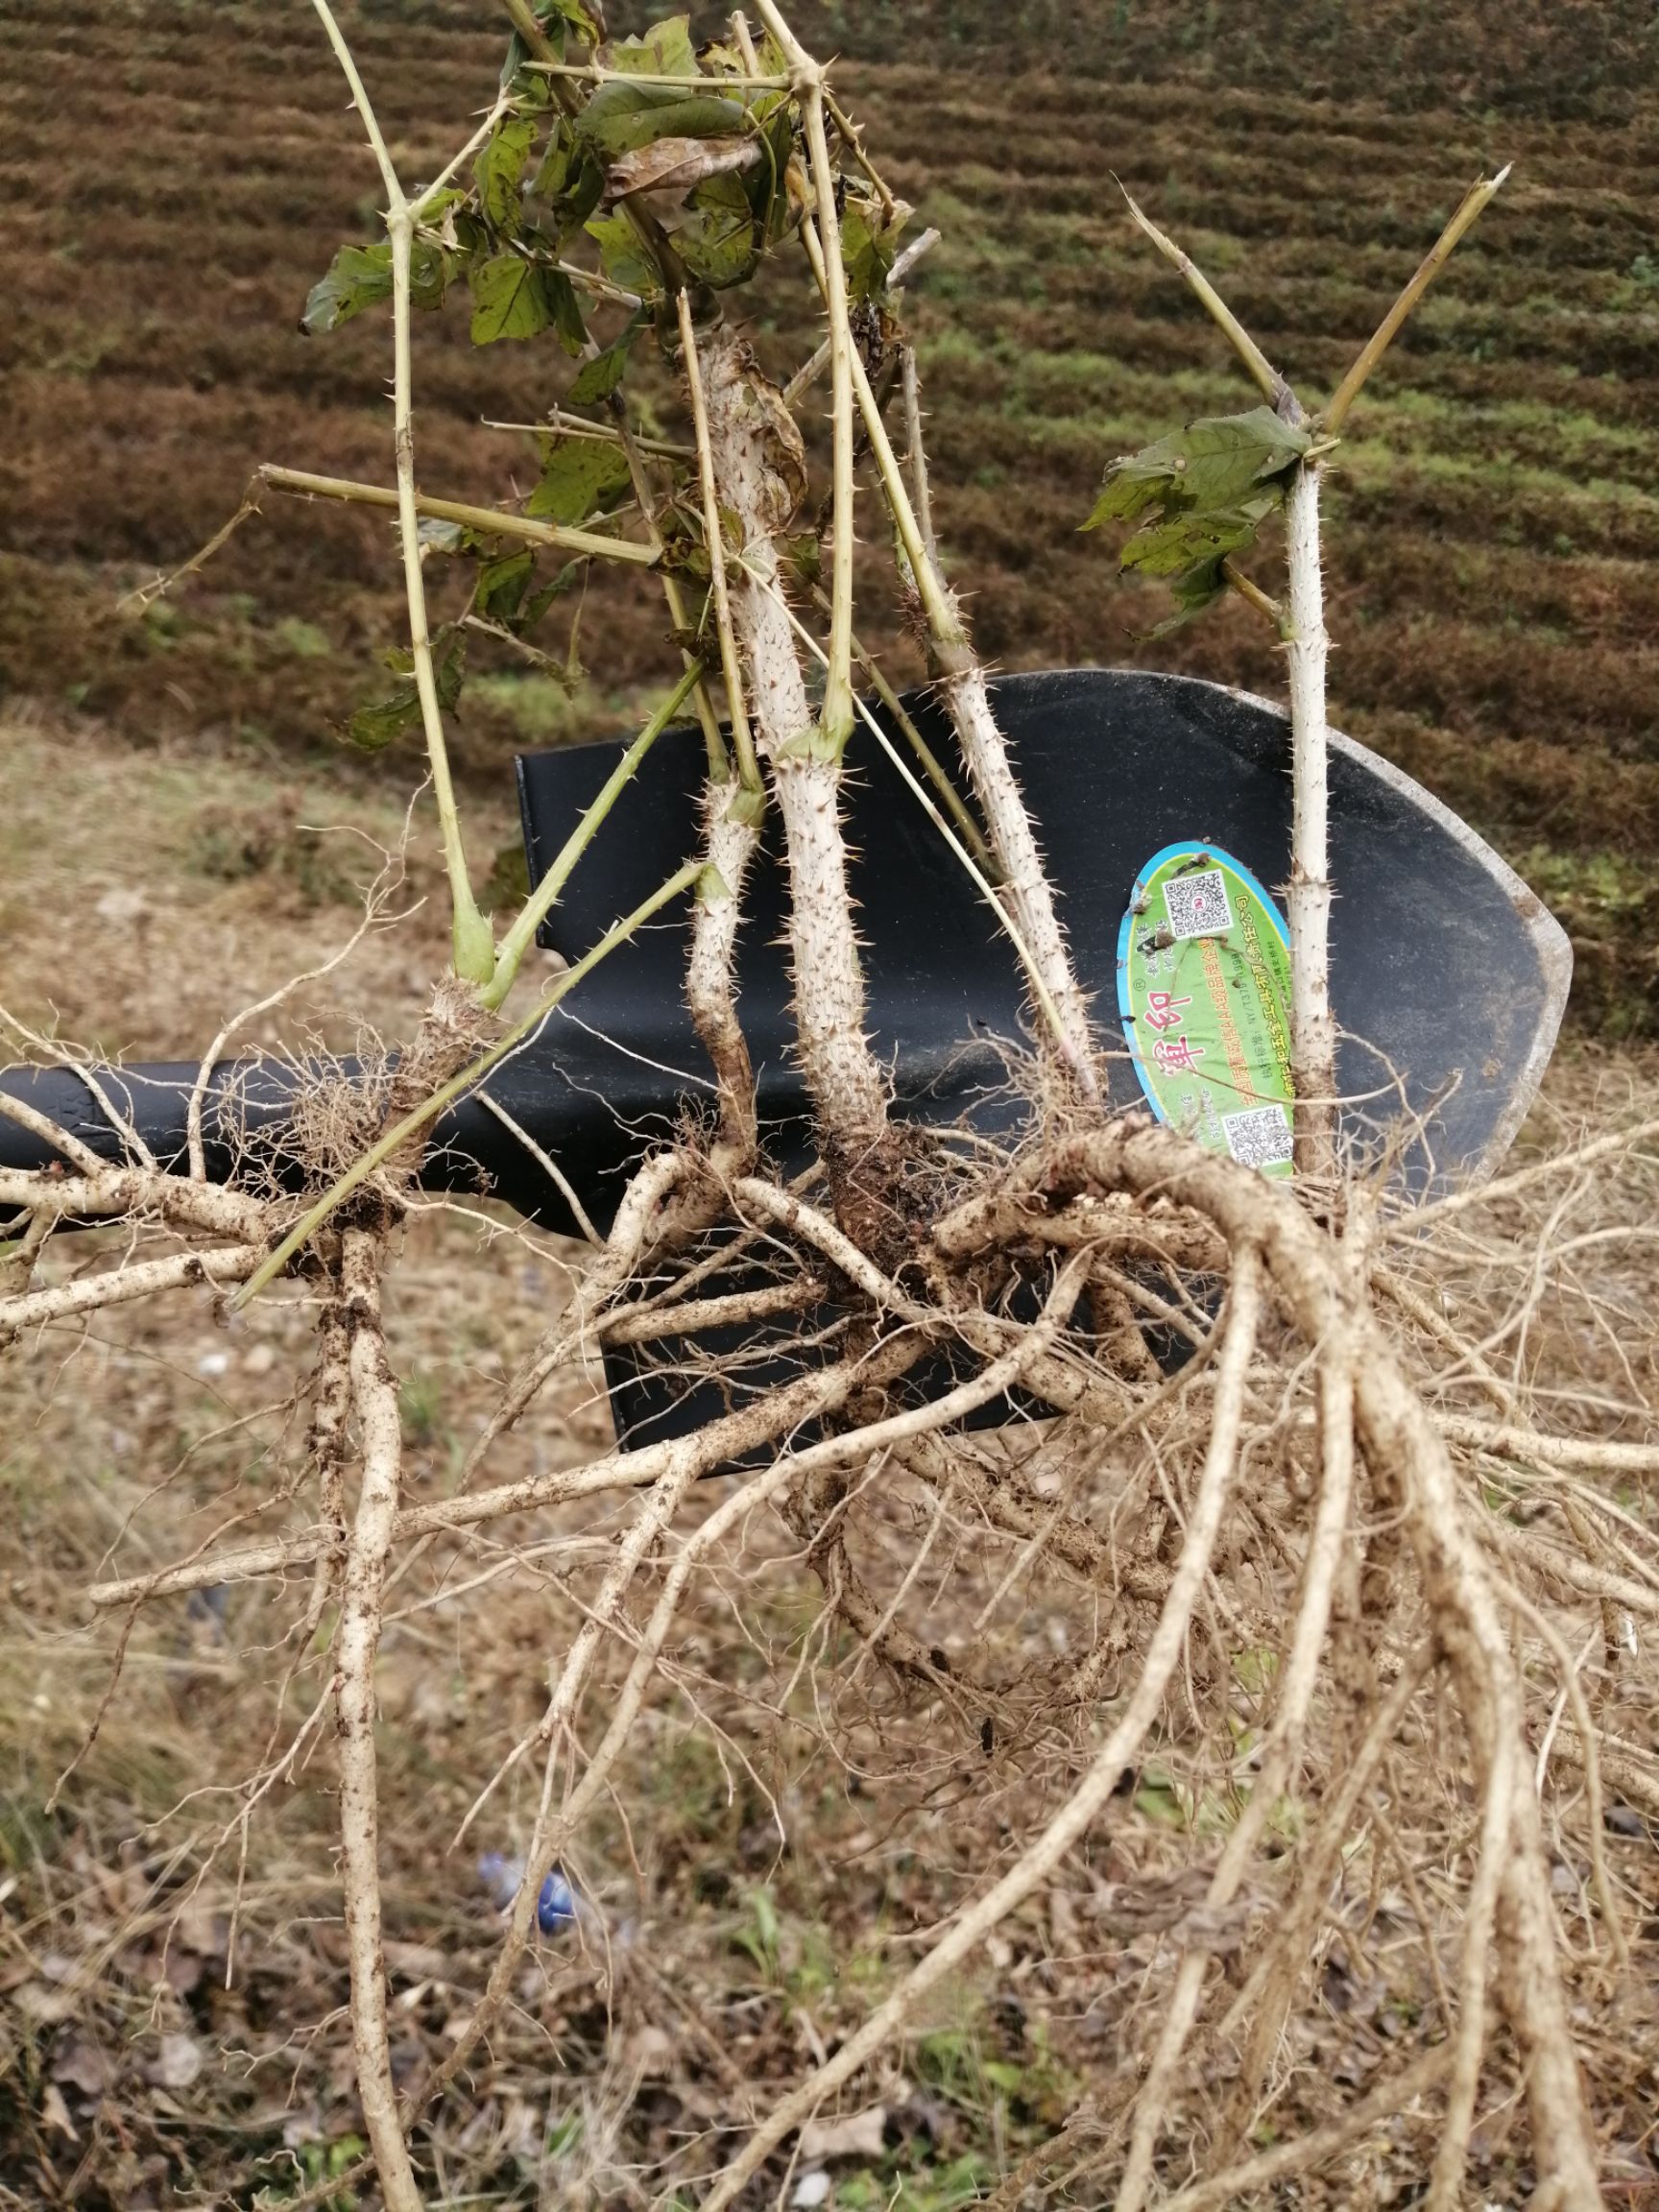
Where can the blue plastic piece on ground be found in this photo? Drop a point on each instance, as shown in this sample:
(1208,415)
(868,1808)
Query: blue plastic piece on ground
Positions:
(556,1907)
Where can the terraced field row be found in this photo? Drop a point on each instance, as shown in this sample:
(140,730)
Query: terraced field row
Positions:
(1495,520)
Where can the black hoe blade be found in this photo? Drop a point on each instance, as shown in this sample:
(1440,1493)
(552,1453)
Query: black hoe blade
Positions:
(1448,975)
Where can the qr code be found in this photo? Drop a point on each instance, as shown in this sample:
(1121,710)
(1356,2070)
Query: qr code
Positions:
(1198,905)
(1259,1136)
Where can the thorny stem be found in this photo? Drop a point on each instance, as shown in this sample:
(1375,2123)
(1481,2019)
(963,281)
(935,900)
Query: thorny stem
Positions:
(1313,1027)
(855,143)
(811,369)
(1475,202)
(756,450)
(304,484)
(417,1118)
(715,744)
(469,517)
(987,883)
(838,678)
(916,453)
(472,940)
(537,907)
(1272,384)
(950,798)
(1025,889)
(730,660)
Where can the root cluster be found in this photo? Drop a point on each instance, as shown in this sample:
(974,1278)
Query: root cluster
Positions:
(1290,1557)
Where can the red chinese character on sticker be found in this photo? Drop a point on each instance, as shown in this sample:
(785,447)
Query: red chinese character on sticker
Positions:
(1177,1055)
(1163,1009)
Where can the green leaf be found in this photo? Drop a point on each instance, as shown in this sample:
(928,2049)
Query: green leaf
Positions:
(804,557)
(580,477)
(499,172)
(358,276)
(599,377)
(555,17)
(556,587)
(1199,495)
(371,729)
(509,300)
(512,298)
(868,251)
(665,50)
(623,259)
(718,243)
(1213,463)
(623,117)
(430,269)
(432,211)
(567,320)
(499,593)
(567,187)
(1200,587)
(1179,540)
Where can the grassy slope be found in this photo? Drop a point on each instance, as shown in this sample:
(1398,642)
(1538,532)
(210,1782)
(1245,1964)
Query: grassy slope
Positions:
(1494,520)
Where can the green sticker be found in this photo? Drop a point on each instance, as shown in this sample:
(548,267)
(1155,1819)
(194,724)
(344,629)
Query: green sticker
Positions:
(1204,990)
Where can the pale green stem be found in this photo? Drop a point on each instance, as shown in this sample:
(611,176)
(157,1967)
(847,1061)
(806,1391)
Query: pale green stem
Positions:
(944,624)
(578,426)
(593,73)
(535,909)
(472,941)
(850,132)
(1474,201)
(471,938)
(917,455)
(825,254)
(502,103)
(303,484)
(1273,385)
(390,1141)
(837,715)
(714,743)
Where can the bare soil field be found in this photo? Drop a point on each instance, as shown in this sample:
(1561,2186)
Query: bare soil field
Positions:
(181,828)
(1493,524)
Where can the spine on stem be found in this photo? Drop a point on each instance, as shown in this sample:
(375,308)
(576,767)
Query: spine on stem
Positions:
(1025,889)
(1313,1028)
(750,433)
(710,983)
